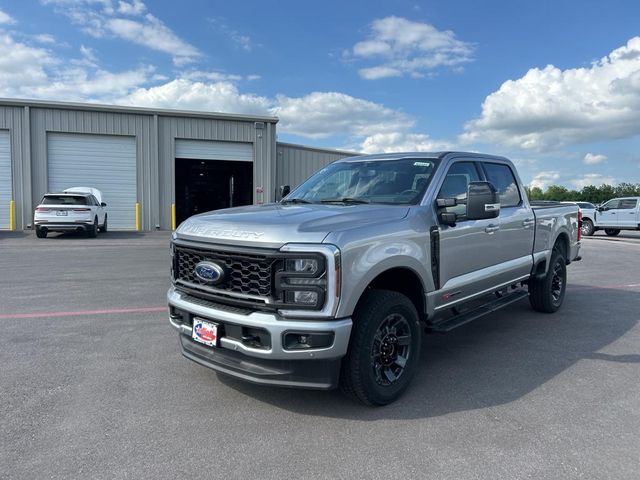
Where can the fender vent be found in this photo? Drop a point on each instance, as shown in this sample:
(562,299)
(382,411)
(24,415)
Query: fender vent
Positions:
(434,233)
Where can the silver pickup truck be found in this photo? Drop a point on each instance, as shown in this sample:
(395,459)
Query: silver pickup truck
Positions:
(335,284)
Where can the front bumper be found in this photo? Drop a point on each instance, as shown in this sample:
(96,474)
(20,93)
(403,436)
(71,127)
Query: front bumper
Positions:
(271,364)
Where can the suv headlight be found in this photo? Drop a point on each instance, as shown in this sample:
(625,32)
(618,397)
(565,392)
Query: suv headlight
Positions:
(309,281)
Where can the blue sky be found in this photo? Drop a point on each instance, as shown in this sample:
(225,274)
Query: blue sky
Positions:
(554,85)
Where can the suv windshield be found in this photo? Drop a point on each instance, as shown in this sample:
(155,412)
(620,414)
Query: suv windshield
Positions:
(396,182)
(64,200)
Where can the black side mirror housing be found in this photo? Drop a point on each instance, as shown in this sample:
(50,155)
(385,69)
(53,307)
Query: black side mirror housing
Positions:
(284,190)
(103,204)
(483,201)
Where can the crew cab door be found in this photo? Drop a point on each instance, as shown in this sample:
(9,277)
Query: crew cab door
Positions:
(467,248)
(628,213)
(517,225)
(607,215)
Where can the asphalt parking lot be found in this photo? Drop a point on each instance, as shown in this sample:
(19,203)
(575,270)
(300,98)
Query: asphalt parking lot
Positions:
(92,383)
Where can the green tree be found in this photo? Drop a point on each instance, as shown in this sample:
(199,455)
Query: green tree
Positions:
(557,193)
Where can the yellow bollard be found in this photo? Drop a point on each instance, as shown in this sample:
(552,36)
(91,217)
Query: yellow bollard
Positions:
(173,216)
(12,215)
(137,217)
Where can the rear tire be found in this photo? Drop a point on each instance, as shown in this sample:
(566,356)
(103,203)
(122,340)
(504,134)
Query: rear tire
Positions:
(612,232)
(587,228)
(103,229)
(40,233)
(92,232)
(384,349)
(546,294)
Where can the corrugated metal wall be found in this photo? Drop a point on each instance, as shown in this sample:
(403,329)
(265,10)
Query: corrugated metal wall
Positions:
(296,163)
(172,128)
(12,119)
(44,120)
(155,135)
(6,187)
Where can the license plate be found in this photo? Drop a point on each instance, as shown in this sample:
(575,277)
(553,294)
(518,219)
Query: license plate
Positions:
(205,332)
(61,213)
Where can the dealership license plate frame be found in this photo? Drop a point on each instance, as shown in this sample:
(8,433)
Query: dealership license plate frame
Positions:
(61,213)
(209,327)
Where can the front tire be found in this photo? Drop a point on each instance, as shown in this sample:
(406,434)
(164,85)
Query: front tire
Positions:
(612,232)
(587,228)
(384,349)
(546,294)
(103,229)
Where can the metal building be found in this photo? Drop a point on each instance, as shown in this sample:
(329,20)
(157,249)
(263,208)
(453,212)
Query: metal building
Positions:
(295,163)
(154,167)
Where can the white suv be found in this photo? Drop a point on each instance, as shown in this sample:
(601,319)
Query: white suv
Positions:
(77,209)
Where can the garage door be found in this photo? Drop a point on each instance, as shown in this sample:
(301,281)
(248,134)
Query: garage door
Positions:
(209,150)
(5,178)
(105,162)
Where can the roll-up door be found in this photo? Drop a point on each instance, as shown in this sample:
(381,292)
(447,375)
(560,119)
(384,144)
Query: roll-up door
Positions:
(5,178)
(105,162)
(212,150)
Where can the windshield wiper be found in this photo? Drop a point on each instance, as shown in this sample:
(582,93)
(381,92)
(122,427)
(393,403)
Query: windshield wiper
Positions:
(294,200)
(344,200)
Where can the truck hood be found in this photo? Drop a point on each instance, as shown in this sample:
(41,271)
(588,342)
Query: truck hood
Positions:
(273,225)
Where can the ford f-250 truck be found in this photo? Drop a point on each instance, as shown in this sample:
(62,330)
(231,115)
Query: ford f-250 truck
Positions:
(336,283)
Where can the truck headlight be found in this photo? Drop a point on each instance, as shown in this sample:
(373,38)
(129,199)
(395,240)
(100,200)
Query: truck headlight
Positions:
(308,282)
(303,281)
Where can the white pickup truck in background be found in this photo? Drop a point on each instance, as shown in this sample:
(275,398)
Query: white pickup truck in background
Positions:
(617,214)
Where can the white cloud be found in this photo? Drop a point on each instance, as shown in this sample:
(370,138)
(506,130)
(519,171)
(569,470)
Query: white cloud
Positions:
(550,108)
(193,95)
(595,179)
(34,72)
(153,34)
(44,38)
(135,7)
(99,18)
(399,47)
(323,114)
(402,142)
(6,19)
(543,179)
(594,159)
(242,40)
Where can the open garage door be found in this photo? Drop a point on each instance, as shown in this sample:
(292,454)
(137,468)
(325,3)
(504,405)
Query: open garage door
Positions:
(211,175)
(5,178)
(105,162)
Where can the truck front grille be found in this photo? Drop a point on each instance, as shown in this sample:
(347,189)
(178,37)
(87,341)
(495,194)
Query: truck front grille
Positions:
(245,273)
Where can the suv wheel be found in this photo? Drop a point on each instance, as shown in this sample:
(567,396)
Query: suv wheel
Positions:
(103,229)
(587,228)
(384,348)
(40,233)
(93,230)
(546,294)
(612,232)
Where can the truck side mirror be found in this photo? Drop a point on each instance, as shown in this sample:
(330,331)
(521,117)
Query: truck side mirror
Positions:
(483,201)
(284,190)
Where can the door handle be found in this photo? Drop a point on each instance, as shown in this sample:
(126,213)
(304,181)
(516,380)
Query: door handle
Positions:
(492,228)
(528,223)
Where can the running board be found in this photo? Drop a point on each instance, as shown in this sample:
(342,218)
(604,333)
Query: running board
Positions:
(485,309)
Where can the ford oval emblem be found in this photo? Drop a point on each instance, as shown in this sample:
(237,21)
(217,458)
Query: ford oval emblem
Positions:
(209,272)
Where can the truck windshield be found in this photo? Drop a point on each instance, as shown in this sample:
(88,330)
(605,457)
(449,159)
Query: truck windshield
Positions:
(396,182)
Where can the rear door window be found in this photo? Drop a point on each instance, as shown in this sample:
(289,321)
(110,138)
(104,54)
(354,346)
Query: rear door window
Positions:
(628,204)
(504,180)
